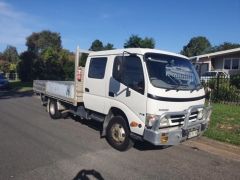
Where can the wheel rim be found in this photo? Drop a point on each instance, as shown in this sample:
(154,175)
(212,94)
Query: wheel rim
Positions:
(52,109)
(118,133)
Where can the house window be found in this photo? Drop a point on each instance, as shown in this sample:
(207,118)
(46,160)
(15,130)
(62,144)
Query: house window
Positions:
(235,63)
(227,64)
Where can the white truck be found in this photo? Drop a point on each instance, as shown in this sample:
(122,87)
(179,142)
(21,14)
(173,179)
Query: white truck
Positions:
(143,94)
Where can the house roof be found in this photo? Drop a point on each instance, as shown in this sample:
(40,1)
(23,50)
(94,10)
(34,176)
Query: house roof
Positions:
(216,53)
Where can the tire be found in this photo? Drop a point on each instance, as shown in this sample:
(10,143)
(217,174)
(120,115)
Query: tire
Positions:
(53,110)
(118,134)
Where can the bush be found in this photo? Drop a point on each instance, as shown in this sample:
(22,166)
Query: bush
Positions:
(226,93)
(235,81)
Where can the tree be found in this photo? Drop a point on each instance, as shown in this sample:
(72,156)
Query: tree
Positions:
(225,46)
(108,46)
(97,45)
(1,56)
(49,57)
(4,67)
(196,46)
(135,41)
(38,42)
(25,66)
(10,54)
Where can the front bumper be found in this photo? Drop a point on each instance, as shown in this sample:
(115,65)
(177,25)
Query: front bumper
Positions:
(175,135)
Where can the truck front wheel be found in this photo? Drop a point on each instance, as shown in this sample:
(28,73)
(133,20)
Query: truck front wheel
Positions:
(118,134)
(53,110)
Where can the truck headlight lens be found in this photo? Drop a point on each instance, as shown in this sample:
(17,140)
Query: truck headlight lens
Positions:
(164,122)
(150,119)
(200,114)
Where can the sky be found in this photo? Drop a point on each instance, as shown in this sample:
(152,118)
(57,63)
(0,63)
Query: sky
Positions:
(171,23)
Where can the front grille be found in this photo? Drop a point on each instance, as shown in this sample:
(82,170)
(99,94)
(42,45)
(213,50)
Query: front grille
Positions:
(179,119)
(193,116)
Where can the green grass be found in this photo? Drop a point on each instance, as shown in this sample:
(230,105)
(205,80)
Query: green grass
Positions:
(225,124)
(19,86)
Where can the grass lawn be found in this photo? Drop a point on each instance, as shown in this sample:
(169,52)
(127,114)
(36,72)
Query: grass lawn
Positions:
(225,124)
(19,86)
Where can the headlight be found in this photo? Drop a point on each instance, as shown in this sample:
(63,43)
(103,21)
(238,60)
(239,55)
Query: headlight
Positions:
(150,119)
(200,114)
(164,122)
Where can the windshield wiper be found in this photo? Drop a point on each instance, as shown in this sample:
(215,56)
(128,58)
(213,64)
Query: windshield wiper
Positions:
(176,81)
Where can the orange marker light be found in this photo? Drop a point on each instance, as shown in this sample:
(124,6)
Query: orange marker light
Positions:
(133,124)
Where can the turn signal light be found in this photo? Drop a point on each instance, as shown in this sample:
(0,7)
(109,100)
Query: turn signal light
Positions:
(133,124)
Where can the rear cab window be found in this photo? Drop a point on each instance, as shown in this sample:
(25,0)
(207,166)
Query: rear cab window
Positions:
(97,68)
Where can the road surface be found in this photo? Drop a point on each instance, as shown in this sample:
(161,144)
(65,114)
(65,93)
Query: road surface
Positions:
(32,146)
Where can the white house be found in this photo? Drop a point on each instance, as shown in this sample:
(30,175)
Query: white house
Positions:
(228,61)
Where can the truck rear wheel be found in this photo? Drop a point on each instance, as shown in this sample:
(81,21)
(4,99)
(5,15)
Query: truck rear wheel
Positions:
(118,134)
(53,110)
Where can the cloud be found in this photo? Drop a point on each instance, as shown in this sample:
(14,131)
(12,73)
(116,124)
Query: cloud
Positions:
(13,26)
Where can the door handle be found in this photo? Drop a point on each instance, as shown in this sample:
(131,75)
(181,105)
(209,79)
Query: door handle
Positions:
(128,92)
(86,90)
(111,94)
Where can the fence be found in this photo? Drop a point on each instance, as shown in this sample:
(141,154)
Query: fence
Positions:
(223,89)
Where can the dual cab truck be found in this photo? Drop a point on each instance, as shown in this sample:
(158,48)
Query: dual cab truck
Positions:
(143,94)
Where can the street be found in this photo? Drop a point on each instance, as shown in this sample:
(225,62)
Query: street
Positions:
(33,146)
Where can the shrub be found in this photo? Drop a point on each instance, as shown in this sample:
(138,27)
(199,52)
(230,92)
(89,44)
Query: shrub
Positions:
(235,81)
(226,93)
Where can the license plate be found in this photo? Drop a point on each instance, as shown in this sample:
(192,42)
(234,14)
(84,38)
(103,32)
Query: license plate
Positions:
(193,134)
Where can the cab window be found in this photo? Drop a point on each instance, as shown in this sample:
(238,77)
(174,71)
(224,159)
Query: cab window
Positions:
(97,68)
(128,70)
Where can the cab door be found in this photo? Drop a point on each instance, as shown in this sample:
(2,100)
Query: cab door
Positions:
(94,84)
(127,84)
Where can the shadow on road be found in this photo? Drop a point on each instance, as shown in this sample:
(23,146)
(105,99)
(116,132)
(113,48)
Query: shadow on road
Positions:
(139,145)
(146,146)
(11,94)
(88,174)
(90,123)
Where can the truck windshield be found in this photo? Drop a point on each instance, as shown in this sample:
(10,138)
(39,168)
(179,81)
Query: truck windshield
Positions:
(171,72)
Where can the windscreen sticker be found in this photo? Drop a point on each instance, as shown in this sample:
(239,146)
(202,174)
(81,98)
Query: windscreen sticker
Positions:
(180,73)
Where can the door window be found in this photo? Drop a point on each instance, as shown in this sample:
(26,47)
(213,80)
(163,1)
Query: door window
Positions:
(128,70)
(97,68)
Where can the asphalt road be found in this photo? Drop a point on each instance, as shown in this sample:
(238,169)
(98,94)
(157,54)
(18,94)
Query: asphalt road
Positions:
(32,146)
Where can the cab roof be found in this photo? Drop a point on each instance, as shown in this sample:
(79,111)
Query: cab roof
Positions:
(140,51)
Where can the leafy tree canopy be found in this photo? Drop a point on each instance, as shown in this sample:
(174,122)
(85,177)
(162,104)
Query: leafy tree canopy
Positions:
(97,45)
(135,41)
(196,46)
(25,66)
(108,46)
(10,54)
(38,42)
(225,46)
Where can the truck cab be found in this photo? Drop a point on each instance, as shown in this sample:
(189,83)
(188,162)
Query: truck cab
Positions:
(157,93)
